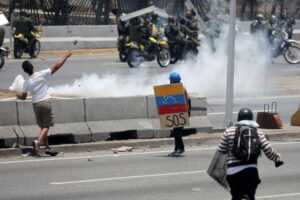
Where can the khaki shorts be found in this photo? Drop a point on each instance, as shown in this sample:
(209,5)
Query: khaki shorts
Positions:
(43,113)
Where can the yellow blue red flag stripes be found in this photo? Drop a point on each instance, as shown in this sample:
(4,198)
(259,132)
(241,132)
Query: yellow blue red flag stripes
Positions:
(171,105)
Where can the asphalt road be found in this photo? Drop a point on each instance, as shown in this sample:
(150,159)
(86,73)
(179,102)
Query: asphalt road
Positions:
(285,77)
(141,174)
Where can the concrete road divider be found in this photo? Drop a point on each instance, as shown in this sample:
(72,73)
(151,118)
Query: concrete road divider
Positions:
(295,119)
(10,132)
(83,120)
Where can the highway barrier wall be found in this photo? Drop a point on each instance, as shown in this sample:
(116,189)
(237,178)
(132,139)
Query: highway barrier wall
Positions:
(83,120)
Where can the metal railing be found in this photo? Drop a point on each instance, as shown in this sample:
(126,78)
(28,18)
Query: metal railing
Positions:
(98,12)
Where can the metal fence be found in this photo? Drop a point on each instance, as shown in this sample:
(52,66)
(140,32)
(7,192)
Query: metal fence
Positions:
(96,12)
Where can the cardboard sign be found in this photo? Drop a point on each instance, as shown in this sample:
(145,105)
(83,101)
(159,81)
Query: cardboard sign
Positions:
(3,20)
(217,169)
(171,105)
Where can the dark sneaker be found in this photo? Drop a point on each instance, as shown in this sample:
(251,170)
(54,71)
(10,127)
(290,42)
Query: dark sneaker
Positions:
(178,152)
(51,152)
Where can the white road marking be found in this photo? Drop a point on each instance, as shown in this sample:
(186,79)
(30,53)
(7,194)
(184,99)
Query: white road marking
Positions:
(278,195)
(125,177)
(121,154)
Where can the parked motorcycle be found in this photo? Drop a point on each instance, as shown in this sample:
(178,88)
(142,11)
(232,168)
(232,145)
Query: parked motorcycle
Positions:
(290,49)
(21,44)
(3,53)
(157,49)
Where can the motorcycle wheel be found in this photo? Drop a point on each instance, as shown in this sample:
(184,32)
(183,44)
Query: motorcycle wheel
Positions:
(36,49)
(122,56)
(1,61)
(18,50)
(134,58)
(292,55)
(163,57)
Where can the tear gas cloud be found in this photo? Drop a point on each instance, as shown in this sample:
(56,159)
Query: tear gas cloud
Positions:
(204,74)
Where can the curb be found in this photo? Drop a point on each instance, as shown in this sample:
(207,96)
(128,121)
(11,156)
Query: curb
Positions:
(191,140)
(79,52)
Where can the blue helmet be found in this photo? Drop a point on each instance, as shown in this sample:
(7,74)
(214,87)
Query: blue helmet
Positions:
(175,77)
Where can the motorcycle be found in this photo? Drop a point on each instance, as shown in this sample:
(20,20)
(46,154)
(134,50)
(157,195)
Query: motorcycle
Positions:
(157,49)
(176,50)
(3,53)
(290,49)
(21,44)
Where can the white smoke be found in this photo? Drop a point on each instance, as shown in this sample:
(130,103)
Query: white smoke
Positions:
(110,85)
(204,74)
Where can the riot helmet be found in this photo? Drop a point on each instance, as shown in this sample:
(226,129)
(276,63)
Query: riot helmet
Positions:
(171,20)
(175,77)
(189,15)
(273,20)
(245,114)
(259,17)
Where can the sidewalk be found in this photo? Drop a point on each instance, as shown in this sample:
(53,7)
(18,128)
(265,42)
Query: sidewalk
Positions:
(288,133)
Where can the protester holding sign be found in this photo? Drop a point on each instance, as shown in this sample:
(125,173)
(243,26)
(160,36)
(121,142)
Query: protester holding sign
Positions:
(242,143)
(177,132)
(173,109)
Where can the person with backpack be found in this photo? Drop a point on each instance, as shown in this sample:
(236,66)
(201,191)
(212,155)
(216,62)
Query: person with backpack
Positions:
(243,143)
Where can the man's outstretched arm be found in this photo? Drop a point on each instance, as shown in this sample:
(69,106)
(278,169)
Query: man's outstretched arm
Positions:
(58,65)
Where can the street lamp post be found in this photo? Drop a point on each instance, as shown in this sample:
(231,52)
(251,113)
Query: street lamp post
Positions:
(230,66)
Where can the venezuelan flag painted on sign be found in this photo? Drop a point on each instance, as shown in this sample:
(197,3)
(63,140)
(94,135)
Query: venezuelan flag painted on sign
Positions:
(170,99)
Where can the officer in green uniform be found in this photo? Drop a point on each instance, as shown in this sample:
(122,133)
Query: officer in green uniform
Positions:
(24,25)
(134,26)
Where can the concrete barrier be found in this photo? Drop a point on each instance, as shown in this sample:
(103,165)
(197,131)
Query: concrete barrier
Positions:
(93,119)
(107,115)
(102,109)
(10,133)
(69,118)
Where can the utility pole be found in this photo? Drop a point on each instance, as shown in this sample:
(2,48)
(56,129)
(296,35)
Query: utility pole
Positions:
(11,17)
(230,66)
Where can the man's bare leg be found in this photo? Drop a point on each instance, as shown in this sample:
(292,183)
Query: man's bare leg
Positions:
(43,137)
